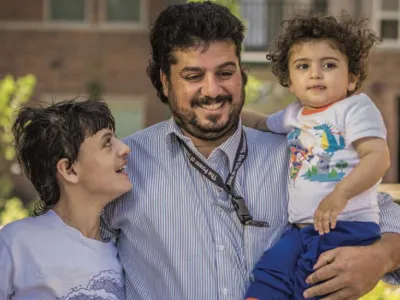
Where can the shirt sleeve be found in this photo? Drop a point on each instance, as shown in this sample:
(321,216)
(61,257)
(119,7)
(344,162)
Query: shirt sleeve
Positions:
(389,222)
(363,119)
(283,121)
(6,270)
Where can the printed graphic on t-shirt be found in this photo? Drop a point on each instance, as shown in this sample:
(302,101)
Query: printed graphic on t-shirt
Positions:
(107,285)
(311,152)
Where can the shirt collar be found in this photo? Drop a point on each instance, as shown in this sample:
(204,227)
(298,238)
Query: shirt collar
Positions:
(229,147)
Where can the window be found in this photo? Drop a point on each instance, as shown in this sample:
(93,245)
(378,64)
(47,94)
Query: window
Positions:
(129,111)
(263,18)
(96,14)
(123,11)
(386,18)
(129,114)
(66,11)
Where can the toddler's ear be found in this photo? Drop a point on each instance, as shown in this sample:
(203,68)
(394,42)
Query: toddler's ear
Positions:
(352,82)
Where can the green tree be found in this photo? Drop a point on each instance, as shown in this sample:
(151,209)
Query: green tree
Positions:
(13,94)
(254,85)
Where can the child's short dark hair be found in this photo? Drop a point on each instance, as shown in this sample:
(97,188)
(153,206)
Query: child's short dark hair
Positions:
(350,36)
(44,135)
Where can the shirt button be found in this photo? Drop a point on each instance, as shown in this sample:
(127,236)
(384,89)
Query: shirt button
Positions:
(219,190)
(225,291)
(221,247)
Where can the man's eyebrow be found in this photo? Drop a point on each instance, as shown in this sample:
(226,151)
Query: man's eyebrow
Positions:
(308,59)
(227,64)
(198,69)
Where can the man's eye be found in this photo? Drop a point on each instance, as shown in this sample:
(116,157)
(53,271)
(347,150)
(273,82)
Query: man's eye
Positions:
(193,78)
(225,75)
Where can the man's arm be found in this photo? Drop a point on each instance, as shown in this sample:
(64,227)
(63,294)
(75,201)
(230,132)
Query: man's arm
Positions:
(350,272)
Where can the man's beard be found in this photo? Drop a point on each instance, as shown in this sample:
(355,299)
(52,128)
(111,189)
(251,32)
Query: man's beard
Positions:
(190,123)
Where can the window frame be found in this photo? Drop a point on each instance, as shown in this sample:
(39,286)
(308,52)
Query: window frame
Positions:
(104,24)
(378,15)
(88,16)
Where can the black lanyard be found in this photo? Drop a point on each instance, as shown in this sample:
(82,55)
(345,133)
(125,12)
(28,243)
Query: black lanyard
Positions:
(238,202)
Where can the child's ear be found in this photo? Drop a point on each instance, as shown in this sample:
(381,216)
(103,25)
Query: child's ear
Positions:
(67,172)
(352,82)
(164,81)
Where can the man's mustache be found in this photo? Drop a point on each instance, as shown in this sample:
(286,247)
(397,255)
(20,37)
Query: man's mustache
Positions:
(209,100)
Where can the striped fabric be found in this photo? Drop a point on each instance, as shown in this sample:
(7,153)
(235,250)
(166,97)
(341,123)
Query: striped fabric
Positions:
(179,236)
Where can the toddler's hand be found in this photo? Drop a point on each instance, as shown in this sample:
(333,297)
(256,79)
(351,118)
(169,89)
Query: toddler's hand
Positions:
(329,208)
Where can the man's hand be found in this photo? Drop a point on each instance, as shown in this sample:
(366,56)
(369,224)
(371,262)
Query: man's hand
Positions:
(325,216)
(347,272)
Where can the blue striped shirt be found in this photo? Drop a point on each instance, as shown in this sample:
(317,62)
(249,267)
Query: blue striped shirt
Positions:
(179,236)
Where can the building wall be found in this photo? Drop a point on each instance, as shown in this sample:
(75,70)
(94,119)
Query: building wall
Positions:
(67,60)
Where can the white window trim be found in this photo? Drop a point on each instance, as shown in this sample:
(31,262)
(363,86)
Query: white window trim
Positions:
(258,57)
(377,16)
(87,25)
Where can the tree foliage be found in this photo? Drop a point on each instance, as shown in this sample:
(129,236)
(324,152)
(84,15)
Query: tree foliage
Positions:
(13,95)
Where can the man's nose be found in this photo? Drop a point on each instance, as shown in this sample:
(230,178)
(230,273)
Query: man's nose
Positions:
(211,87)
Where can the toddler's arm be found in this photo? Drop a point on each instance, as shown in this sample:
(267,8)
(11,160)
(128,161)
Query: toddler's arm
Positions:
(374,162)
(278,122)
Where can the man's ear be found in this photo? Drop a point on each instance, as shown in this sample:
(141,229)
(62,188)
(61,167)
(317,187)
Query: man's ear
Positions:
(164,81)
(353,79)
(68,173)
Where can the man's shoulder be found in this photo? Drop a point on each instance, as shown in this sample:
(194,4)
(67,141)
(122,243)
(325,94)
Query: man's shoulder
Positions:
(151,133)
(259,138)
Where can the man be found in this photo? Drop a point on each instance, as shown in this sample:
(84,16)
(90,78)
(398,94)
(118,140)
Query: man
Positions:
(208,195)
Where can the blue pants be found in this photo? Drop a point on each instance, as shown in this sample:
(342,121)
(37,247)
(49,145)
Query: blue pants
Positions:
(282,270)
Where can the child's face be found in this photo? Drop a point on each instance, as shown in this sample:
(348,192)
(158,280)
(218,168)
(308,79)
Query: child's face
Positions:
(101,166)
(319,74)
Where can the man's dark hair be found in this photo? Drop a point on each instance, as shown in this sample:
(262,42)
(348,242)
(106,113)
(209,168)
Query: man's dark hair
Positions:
(188,25)
(44,135)
(349,36)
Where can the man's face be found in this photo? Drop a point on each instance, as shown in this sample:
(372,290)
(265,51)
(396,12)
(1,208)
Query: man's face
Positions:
(205,90)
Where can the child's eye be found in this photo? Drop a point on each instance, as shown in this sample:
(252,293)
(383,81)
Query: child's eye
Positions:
(329,66)
(302,67)
(108,143)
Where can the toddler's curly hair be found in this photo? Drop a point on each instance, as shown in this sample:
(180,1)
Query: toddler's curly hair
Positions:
(350,36)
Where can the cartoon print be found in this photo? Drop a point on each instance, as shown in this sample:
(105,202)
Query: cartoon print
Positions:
(107,285)
(328,139)
(315,156)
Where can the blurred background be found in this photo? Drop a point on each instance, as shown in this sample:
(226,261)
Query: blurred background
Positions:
(53,50)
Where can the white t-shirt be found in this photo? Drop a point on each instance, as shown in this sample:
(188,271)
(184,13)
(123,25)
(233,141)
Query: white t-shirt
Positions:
(43,258)
(321,154)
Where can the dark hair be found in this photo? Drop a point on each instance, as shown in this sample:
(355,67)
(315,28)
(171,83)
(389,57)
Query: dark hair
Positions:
(350,36)
(44,135)
(188,25)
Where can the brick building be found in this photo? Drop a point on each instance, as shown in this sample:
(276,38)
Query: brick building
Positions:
(76,47)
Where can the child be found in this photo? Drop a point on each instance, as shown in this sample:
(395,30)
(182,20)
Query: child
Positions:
(338,150)
(71,155)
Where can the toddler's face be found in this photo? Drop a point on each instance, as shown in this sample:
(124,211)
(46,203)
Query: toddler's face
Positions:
(319,74)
